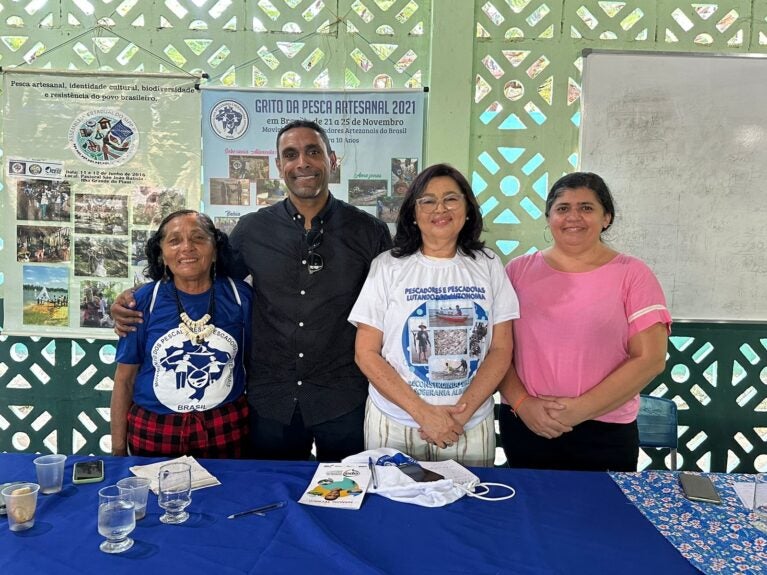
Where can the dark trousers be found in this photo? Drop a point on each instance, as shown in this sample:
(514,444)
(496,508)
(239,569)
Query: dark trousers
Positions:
(590,446)
(335,439)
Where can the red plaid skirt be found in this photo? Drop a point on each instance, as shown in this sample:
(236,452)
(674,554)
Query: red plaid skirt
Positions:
(214,434)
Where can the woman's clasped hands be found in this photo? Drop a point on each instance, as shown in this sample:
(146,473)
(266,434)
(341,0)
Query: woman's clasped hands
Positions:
(546,416)
(441,425)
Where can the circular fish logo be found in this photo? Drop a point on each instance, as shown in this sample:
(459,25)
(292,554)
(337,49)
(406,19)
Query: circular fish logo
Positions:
(104,137)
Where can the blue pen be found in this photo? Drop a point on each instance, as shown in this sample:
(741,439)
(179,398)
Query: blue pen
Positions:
(259,510)
(372,468)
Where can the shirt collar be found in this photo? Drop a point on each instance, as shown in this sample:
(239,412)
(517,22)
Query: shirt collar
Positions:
(324,215)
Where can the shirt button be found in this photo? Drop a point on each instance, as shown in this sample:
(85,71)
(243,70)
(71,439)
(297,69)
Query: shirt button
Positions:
(300,324)
(303,262)
(299,382)
(301,354)
(303,292)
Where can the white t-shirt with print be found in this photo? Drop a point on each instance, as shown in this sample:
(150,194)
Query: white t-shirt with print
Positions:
(456,302)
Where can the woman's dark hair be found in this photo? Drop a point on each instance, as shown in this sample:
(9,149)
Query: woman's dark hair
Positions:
(408,240)
(156,269)
(583,180)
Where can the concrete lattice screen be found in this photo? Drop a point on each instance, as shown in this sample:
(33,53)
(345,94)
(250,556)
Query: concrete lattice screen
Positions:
(524,129)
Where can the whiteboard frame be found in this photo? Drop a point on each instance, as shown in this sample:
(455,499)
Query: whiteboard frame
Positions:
(585,53)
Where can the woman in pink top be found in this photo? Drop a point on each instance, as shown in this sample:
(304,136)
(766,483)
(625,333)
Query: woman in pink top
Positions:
(592,334)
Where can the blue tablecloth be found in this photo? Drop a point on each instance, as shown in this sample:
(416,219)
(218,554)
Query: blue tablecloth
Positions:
(559,522)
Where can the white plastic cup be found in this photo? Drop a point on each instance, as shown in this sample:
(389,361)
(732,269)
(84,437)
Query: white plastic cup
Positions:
(50,472)
(20,504)
(138,487)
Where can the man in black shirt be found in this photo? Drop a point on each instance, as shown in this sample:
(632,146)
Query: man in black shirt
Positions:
(308,257)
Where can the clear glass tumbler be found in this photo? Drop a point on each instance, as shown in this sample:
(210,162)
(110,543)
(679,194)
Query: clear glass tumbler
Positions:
(117,519)
(175,493)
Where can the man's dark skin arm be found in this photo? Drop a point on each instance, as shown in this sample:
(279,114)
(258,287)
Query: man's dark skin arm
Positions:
(123,313)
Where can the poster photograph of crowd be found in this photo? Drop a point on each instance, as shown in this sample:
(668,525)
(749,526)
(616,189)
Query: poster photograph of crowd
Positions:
(101,214)
(45,297)
(95,299)
(43,244)
(43,200)
(225,224)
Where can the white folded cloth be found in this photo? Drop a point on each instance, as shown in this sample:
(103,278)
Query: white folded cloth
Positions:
(395,485)
(200,476)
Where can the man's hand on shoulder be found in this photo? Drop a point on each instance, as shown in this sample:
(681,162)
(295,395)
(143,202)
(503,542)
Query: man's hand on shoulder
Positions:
(124,315)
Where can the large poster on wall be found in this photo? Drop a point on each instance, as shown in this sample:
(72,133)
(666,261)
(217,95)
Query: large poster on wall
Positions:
(91,165)
(377,137)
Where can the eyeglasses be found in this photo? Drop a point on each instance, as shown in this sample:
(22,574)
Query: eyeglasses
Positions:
(314,261)
(428,204)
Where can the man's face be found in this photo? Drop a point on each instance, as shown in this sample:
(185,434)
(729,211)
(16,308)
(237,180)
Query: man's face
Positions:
(304,163)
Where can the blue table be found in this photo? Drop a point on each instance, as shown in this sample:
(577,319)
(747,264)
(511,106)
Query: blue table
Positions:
(559,522)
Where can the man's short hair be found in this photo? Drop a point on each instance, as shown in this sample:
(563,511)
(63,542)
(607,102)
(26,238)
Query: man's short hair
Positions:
(304,124)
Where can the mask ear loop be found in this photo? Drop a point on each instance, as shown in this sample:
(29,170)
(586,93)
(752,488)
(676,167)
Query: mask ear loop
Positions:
(487,486)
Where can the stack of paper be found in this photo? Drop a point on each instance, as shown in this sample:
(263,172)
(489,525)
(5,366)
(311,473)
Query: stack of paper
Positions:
(200,476)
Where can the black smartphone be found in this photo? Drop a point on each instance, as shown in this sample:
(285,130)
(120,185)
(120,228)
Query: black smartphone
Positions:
(90,471)
(418,473)
(699,488)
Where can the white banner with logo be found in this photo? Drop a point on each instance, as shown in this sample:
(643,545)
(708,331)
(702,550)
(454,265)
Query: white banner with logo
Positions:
(377,137)
(91,165)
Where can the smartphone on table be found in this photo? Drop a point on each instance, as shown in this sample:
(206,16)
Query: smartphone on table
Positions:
(418,473)
(699,488)
(90,471)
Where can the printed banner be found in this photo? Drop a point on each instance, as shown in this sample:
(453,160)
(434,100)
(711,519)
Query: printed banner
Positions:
(377,137)
(91,165)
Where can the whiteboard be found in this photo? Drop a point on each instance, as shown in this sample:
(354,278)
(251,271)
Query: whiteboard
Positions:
(681,140)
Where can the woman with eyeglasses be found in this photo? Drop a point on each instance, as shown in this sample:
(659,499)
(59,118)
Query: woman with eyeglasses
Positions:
(435,402)
(592,335)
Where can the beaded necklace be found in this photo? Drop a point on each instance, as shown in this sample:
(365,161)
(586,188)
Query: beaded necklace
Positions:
(197,330)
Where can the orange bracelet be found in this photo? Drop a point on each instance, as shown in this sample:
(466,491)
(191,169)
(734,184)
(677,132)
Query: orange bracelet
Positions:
(518,404)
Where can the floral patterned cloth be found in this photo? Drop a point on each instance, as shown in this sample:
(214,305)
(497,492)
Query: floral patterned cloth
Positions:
(714,538)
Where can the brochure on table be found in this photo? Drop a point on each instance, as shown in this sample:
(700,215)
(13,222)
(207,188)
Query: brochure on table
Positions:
(338,485)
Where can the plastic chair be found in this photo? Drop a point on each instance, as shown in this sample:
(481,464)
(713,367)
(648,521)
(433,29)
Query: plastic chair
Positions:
(657,422)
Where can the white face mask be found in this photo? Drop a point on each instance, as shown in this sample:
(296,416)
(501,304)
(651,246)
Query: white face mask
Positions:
(394,484)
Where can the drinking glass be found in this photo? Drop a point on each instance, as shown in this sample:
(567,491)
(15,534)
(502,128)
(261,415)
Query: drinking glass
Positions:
(138,488)
(760,502)
(116,519)
(175,492)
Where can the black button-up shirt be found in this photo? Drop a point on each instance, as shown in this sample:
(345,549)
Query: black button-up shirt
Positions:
(302,349)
